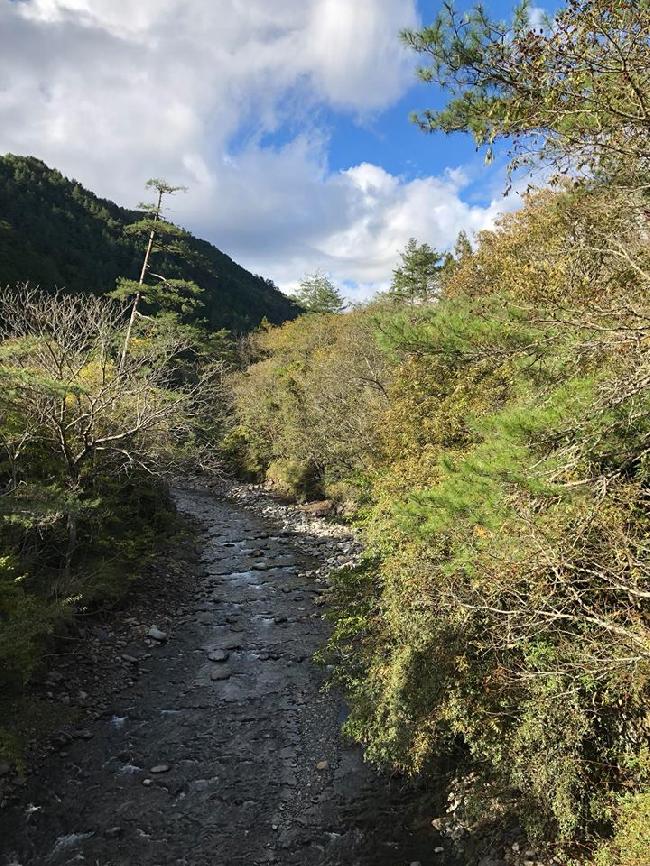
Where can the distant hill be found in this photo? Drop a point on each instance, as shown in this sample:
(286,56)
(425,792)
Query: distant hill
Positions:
(55,233)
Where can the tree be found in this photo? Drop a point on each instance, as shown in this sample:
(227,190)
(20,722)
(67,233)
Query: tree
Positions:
(318,294)
(417,279)
(179,295)
(462,247)
(69,410)
(573,94)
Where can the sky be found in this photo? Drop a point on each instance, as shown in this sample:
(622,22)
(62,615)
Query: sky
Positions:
(288,121)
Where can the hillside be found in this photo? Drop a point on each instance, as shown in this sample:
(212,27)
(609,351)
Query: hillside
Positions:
(55,233)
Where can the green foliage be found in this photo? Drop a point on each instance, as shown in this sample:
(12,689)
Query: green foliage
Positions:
(56,234)
(84,451)
(417,279)
(318,294)
(308,406)
(501,615)
(573,91)
(631,841)
(26,623)
(180,298)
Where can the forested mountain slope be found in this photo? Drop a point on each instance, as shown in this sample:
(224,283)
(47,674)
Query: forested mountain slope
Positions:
(55,233)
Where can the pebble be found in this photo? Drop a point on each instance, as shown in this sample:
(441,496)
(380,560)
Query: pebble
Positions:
(130,659)
(219,675)
(322,765)
(160,768)
(156,634)
(219,656)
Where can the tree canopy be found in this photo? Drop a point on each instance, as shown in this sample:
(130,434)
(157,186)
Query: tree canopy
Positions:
(573,92)
(318,294)
(56,234)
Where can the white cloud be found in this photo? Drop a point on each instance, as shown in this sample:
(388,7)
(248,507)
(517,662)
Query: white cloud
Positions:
(112,92)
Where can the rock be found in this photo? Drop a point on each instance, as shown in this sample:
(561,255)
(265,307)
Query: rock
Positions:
(205,618)
(4,768)
(219,675)
(318,509)
(132,660)
(156,634)
(113,832)
(160,768)
(219,656)
(322,765)
(83,735)
(280,619)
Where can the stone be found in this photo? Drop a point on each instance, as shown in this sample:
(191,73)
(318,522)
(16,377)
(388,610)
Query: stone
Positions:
(132,660)
(205,618)
(219,675)
(219,656)
(156,634)
(322,765)
(83,735)
(160,768)
(4,768)
(280,619)
(113,832)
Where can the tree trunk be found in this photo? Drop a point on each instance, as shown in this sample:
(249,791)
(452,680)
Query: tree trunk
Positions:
(72,543)
(143,274)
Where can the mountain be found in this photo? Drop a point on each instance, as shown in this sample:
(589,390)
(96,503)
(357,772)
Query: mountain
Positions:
(55,233)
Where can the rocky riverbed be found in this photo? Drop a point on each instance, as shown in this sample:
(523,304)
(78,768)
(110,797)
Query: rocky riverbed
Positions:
(201,734)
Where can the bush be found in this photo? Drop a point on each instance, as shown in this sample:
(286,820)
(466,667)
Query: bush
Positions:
(501,616)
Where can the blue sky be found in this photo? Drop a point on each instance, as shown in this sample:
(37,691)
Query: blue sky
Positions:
(288,121)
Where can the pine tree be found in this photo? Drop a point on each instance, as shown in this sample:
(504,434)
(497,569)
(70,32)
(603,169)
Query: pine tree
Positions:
(417,279)
(318,294)
(162,236)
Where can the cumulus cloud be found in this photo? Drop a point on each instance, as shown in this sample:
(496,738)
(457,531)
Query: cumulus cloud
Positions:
(112,92)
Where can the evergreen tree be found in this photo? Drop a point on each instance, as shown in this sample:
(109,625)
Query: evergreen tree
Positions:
(169,295)
(56,234)
(572,92)
(318,294)
(417,279)
(462,247)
